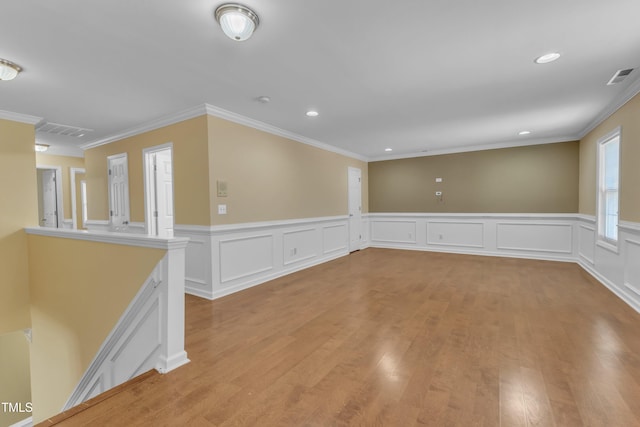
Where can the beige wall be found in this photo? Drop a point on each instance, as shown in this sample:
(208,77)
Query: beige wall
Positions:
(77,296)
(274,178)
(535,179)
(628,117)
(15,383)
(65,163)
(18,209)
(190,166)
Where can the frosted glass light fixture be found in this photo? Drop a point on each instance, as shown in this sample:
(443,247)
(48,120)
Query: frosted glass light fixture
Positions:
(41,148)
(8,70)
(238,22)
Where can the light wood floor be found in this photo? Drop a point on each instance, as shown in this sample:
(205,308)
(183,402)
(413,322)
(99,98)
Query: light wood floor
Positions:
(400,338)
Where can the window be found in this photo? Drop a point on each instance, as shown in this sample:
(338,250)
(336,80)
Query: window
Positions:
(608,188)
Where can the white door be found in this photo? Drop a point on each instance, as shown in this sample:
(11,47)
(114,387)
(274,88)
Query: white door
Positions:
(163,186)
(118,191)
(49,198)
(355,209)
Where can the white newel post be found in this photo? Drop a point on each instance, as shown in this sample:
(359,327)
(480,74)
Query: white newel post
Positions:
(172,353)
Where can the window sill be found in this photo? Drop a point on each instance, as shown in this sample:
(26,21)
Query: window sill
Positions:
(608,246)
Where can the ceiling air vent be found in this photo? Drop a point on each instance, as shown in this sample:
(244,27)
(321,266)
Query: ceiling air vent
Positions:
(58,129)
(619,76)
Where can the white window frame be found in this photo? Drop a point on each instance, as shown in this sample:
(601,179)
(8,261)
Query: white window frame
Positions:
(603,240)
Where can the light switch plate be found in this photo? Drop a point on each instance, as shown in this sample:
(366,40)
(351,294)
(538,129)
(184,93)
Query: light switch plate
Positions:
(438,179)
(222,188)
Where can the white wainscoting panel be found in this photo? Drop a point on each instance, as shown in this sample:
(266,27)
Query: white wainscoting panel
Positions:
(333,238)
(245,256)
(538,237)
(632,265)
(366,232)
(234,257)
(586,242)
(300,245)
(198,272)
(460,234)
(393,230)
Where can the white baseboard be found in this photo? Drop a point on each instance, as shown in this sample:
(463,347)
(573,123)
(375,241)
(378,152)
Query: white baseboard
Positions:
(551,237)
(225,259)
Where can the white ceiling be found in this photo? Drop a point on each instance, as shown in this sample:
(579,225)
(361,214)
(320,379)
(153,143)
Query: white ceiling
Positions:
(438,75)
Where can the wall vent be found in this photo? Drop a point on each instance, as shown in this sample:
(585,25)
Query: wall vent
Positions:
(58,129)
(619,76)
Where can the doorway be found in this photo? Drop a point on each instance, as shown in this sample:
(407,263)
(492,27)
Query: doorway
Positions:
(118,170)
(50,210)
(355,208)
(158,190)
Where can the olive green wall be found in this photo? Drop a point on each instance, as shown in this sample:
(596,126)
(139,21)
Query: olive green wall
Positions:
(532,179)
(628,119)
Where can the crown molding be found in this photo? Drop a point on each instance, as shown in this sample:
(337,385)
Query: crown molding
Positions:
(221,113)
(22,118)
(64,150)
(632,90)
(158,123)
(265,127)
(469,148)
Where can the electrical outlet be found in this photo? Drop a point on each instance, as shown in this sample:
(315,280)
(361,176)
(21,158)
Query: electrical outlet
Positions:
(438,193)
(222,209)
(438,179)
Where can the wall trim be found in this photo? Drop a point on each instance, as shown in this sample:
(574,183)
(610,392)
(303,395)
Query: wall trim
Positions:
(622,294)
(212,110)
(629,226)
(21,118)
(471,148)
(632,90)
(278,224)
(160,122)
(127,239)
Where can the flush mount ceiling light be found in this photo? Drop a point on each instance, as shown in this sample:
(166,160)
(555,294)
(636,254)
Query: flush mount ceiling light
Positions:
(41,148)
(8,70)
(312,113)
(388,149)
(237,21)
(549,57)
(524,132)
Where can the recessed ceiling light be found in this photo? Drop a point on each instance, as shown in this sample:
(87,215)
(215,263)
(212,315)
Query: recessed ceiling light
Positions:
(263,99)
(388,149)
(524,132)
(312,113)
(549,57)
(8,70)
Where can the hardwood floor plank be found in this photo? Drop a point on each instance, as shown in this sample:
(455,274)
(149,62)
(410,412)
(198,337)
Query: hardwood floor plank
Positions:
(400,338)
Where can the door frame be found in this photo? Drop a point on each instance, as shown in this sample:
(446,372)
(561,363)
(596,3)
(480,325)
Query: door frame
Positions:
(351,220)
(59,198)
(109,177)
(74,199)
(149,195)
